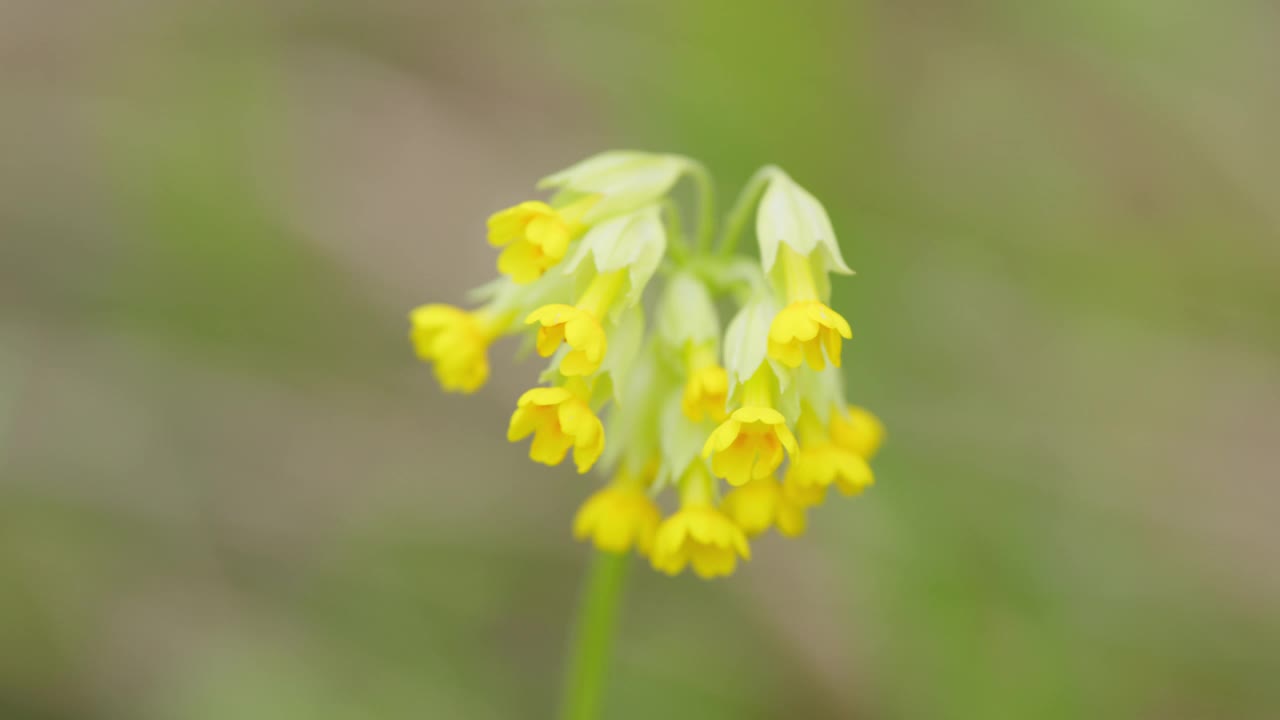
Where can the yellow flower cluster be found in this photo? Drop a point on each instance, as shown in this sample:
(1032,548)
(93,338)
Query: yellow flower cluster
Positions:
(681,398)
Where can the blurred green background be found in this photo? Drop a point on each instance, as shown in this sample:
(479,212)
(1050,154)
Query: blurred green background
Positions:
(228,490)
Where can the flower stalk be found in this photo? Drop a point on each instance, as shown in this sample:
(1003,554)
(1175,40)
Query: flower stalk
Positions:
(591,640)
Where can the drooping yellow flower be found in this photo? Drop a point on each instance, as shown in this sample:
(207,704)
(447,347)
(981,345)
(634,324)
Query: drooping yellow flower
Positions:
(707,388)
(802,330)
(803,496)
(456,343)
(750,444)
(535,236)
(698,535)
(761,504)
(579,326)
(559,418)
(822,463)
(619,516)
(825,464)
(806,326)
(860,431)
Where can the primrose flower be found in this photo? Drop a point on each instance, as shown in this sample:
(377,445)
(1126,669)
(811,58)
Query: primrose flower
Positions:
(578,325)
(535,236)
(798,245)
(744,422)
(698,534)
(803,329)
(456,341)
(620,516)
(763,503)
(857,430)
(559,418)
(822,463)
(750,444)
(707,388)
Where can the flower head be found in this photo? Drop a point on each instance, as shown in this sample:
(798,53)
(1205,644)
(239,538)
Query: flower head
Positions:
(559,419)
(619,517)
(456,342)
(669,379)
(535,236)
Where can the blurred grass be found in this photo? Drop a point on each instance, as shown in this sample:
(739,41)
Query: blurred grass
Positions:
(229,491)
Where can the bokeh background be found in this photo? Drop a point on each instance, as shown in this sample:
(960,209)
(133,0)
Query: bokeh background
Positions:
(228,490)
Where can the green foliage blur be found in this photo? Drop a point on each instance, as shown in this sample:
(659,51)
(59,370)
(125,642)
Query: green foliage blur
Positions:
(228,490)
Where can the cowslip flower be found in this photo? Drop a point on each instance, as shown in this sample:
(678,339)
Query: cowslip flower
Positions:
(745,423)
(578,325)
(559,418)
(621,515)
(858,430)
(823,462)
(699,533)
(798,246)
(764,503)
(535,236)
(456,342)
(750,444)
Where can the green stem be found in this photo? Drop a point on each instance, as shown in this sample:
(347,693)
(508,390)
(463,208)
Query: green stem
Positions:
(592,638)
(706,206)
(675,231)
(741,212)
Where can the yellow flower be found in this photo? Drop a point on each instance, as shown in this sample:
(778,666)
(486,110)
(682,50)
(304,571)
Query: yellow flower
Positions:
(456,342)
(579,325)
(861,432)
(803,496)
(535,236)
(806,326)
(559,419)
(802,329)
(823,462)
(818,466)
(705,393)
(579,328)
(698,534)
(619,517)
(763,503)
(707,388)
(749,445)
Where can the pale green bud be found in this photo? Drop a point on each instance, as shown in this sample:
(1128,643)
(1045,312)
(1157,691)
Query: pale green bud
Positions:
(624,179)
(686,313)
(626,339)
(507,296)
(790,214)
(633,424)
(681,439)
(635,242)
(746,341)
(821,390)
